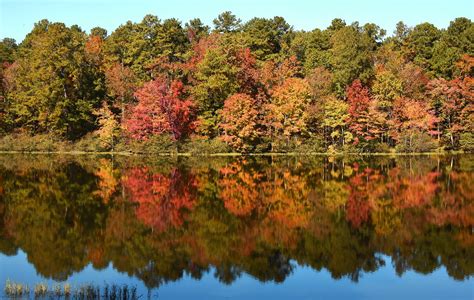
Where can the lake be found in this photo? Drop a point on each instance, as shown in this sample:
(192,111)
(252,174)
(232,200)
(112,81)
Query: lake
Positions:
(282,227)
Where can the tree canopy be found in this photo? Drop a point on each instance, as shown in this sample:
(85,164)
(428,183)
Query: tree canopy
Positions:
(258,85)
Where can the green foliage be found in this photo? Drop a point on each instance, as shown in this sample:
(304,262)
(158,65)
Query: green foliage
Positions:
(417,142)
(386,88)
(215,80)
(161,144)
(204,146)
(196,30)
(227,22)
(466,141)
(313,144)
(52,89)
(265,37)
(36,143)
(400,35)
(351,51)
(8,48)
(139,45)
(454,42)
(314,47)
(420,43)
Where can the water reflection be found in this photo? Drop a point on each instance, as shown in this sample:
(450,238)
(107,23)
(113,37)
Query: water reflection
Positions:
(159,220)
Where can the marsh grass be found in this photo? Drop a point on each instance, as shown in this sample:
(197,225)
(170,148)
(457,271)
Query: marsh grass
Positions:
(16,290)
(41,290)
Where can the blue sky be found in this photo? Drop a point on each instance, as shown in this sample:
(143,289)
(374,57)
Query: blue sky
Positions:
(18,16)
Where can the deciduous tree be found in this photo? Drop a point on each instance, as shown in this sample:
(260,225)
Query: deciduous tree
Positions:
(240,122)
(287,111)
(160,110)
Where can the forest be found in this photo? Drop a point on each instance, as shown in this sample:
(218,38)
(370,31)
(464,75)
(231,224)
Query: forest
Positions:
(246,87)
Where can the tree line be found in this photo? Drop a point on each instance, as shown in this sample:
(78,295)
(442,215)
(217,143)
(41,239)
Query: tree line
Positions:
(258,86)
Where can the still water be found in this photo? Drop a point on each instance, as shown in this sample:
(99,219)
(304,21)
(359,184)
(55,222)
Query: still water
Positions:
(242,228)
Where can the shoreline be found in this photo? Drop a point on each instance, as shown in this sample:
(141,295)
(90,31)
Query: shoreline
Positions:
(234,154)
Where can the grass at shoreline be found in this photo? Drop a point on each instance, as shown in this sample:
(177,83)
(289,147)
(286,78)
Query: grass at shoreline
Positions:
(234,154)
(17,290)
(165,147)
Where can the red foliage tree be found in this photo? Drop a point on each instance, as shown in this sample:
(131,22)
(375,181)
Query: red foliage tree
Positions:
(365,120)
(121,84)
(358,98)
(199,50)
(160,110)
(273,74)
(248,74)
(411,116)
(454,105)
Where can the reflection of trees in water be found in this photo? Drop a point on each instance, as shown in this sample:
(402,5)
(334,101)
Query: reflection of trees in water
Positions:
(7,245)
(160,221)
(161,197)
(53,217)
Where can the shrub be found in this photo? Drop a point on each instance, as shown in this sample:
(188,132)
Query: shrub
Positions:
(26,143)
(155,144)
(466,141)
(311,145)
(377,147)
(416,142)
(88,143)
(201,146)
(281,144)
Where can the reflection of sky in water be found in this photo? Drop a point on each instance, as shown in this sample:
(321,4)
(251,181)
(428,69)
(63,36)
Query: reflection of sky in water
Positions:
(304,283)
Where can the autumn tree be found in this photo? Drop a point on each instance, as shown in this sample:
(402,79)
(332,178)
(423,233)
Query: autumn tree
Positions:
(109,128)
(224,70)
(240,122)
(251,84)
(366,122)
(8,48)
(287,110)
(465,66)
(452,102)
(160,110)
(320,80)
(335,117)
(273,73)
(395,76)
(413,124)
(121,84)
(52,90)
